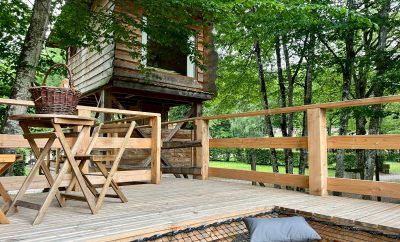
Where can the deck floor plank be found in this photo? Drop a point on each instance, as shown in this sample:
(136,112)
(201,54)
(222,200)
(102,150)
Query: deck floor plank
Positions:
(181,202)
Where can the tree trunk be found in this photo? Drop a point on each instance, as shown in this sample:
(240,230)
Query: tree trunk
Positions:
(28,61)
(381,64)
(361,121)
(265,105)
(307,99)
(289,152)
(347,73)
(282,88)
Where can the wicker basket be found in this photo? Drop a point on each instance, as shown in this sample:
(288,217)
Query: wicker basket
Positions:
(55,100)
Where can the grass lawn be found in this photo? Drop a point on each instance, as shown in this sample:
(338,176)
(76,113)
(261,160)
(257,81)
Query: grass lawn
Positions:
(394,167)
(264,168)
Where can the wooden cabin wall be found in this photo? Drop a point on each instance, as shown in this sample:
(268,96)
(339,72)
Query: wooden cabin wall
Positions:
(126,67)
(92,69)
(177,157)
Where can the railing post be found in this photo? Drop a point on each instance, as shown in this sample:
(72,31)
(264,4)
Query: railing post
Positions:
(202,153)
(155,123)
(317,152)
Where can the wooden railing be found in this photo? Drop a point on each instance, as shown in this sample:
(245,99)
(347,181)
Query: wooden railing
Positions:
(317,143)
(152,143)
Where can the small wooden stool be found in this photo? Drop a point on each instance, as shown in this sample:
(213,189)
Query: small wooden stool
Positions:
(6,160)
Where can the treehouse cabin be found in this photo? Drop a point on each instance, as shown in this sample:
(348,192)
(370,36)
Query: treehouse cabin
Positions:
(157,78)
(112,77)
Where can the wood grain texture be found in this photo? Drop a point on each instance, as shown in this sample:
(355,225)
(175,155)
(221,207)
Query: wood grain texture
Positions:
(155,150)
(364,187)
(276,142)
(203,152)
(178,203)
(266,177)
(317,151)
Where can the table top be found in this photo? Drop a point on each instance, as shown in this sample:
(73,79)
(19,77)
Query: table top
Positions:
(46,120)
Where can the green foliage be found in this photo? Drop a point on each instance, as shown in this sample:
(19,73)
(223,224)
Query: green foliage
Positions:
(19,168)
(78,26)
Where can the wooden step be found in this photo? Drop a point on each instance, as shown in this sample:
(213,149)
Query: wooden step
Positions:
(29,205)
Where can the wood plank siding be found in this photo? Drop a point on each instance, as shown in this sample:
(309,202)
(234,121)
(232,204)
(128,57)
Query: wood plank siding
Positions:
(93,69)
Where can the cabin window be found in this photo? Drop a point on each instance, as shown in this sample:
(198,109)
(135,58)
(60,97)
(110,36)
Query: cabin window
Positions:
(166,58)
(72,51)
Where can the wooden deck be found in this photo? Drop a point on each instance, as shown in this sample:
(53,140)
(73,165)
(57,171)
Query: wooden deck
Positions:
(154,209)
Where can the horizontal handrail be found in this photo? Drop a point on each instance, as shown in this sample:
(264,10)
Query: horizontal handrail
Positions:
(294,109)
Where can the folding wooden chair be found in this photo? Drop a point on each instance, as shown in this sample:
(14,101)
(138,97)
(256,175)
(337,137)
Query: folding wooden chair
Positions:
(6,161)
(110,129)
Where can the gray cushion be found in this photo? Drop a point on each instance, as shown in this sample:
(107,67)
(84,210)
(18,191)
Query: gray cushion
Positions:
(280,229)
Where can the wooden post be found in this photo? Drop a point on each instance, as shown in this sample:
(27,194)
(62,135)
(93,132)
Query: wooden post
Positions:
(317,152)
(202,153)
(155,123)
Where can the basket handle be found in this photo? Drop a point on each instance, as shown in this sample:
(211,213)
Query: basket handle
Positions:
(71,83)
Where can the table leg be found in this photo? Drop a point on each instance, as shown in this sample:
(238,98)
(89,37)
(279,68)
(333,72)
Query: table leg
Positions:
(45,169)
(67,164)
(31,175)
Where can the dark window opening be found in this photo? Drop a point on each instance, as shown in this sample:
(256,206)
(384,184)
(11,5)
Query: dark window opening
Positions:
(169,58)
(72,51)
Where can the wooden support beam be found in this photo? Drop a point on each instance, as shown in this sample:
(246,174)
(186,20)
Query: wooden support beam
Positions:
(182,170)
(202,153)
(276,142)
(155,149)
(181,144)
(265,177)
(317,152)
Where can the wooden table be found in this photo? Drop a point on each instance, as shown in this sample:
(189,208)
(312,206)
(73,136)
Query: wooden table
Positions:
(56,122)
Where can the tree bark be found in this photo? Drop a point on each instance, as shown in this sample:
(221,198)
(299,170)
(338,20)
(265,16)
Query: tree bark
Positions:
(265,104)
(381,64)
(307,99)
(28,61)
(347,73)
(289,77)
(282,89)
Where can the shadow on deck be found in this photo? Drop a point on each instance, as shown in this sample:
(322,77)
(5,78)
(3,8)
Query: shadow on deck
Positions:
(178,203)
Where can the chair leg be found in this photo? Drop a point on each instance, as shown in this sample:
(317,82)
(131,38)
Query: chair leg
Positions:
(3,218)
(114,185)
